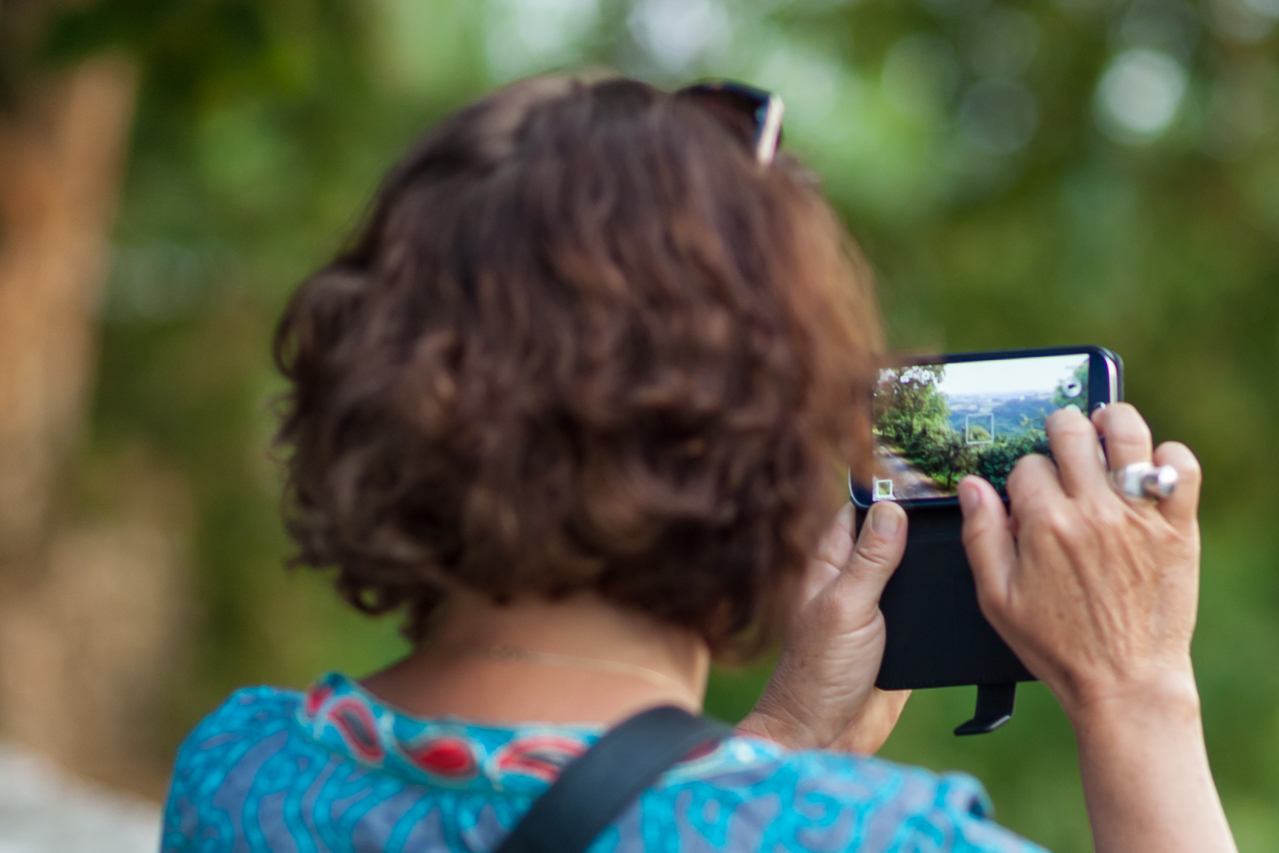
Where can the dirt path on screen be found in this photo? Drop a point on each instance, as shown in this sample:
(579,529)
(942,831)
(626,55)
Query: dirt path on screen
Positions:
(908,481)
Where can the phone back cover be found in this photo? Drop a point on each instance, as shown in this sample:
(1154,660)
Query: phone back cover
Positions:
(936,634)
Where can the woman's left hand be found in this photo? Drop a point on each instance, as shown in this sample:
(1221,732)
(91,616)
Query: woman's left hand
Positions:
(822,694)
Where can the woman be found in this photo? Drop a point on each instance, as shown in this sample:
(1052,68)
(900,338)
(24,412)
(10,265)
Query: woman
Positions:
(577,400)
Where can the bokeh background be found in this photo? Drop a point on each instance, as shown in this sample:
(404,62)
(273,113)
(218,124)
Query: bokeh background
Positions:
(1019,173)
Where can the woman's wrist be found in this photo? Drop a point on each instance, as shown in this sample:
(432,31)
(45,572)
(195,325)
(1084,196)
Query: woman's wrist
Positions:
(1168,696)
(1145,771)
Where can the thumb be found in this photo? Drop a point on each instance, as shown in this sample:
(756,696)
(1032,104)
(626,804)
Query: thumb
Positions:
(876,555)
(988,542)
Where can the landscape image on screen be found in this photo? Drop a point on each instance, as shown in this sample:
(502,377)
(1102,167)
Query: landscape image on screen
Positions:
(937,423)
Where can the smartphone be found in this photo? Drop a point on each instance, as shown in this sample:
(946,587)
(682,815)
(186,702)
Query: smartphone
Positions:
(939,419)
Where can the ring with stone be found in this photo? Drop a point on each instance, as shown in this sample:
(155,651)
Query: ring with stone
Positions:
(1145,480)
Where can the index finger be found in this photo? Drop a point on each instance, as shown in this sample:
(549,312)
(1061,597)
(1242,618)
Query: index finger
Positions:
(1033,484)
(1077,449)
(833,553)
(836,545)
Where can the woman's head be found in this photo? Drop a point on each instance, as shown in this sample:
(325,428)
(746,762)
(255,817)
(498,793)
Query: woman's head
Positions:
(584,342)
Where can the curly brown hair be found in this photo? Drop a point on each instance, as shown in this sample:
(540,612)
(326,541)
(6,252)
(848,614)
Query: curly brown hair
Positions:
(584,342)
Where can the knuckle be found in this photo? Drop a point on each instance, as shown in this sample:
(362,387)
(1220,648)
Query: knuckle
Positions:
(973,530)
(835,549)
(844,608)
(979,528)
(1061,524)
(838,606)
(1132,436)
(1052,521)
(1105,518)
(1126,423)
(873,549)
(1067,426)
(1028,477)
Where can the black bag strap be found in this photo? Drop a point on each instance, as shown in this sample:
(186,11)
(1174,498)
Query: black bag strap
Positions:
(598,786)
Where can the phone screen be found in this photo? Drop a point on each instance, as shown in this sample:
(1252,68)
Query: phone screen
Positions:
(934,424)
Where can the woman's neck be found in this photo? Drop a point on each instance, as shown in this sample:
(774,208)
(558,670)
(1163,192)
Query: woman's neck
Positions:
(579,660)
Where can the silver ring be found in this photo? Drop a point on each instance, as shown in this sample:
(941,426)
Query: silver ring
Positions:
(1144,480)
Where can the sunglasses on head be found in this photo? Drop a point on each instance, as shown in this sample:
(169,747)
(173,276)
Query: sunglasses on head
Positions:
(750,113)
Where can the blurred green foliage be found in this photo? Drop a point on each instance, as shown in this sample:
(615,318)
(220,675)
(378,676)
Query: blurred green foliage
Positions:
(1020,174)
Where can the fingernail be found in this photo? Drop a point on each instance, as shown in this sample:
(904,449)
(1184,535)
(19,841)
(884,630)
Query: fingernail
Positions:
(969,497)
(886,519)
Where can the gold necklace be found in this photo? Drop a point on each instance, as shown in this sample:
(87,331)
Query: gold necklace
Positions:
(612,667)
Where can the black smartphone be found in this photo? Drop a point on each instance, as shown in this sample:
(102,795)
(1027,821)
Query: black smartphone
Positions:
(939,419)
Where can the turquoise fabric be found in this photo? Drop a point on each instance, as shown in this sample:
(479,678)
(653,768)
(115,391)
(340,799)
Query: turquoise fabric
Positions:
(333,769)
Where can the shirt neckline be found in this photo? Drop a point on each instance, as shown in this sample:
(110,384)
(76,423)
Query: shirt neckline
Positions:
(453,752)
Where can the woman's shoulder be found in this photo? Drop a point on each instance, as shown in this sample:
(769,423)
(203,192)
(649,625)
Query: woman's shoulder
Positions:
(777,799)
(877,779)
(248,717)
(247,714)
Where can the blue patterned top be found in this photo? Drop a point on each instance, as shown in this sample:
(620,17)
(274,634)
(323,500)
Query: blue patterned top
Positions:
(334,769)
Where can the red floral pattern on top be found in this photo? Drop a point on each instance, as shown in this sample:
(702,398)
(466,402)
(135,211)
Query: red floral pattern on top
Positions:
(540,756)
(315,698)
(354,720)
(443,751)
(445,756)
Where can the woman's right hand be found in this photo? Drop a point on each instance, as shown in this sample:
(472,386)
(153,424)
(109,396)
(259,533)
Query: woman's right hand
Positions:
(1097,594)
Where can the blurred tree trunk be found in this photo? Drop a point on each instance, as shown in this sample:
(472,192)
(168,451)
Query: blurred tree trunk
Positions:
(61,157)
(86,609)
